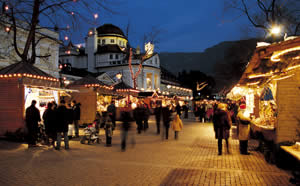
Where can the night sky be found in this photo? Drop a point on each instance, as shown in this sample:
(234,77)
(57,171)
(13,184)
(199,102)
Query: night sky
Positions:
(185,26)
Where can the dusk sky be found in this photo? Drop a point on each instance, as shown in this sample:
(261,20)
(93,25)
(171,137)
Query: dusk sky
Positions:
(186,26)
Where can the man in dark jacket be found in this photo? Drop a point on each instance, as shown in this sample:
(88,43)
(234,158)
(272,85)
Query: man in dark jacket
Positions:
(166,116)
(146,116)
(222,125)
(32,119)
(157,113)
(62,115)
(111,110)
(76,117)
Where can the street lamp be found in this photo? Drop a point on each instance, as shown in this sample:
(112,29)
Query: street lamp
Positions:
(119,76)
(275,30)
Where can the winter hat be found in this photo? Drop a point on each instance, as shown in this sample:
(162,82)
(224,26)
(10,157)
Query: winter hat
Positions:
(242,106)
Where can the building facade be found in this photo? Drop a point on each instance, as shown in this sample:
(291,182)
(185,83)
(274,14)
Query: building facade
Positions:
(46,47)
(106,50)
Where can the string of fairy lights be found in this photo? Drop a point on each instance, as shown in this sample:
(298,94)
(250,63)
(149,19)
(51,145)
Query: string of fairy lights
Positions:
(8,28)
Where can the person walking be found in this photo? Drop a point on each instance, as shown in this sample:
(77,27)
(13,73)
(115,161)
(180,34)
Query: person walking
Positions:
(166,116)
(222,124)
(126,124)
(178,109)
(202,113)
(76,116)
(108,132)
(111,110)
(49,118)
(146,116)
(177,126)
(32,118)
(62,115)
(157,113)
(138,115)
(243,129)
(186,110)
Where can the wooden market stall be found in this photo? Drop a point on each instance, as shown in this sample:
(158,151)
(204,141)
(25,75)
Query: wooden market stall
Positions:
(271,87)
(93,96)
(20,84)
(125,94)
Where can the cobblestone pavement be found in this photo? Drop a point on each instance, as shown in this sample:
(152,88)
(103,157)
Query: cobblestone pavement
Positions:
(191,160)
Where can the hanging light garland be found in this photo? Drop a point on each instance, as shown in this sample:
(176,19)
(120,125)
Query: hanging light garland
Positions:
(19,75)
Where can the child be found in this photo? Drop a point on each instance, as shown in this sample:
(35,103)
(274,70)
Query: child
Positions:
(108,132)
(177,125)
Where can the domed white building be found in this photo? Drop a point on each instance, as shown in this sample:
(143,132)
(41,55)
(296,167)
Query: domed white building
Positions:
(106,50)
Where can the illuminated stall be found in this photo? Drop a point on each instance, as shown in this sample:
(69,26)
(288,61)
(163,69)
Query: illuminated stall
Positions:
(126,94)
(93,96)
(270,86)
(20,84)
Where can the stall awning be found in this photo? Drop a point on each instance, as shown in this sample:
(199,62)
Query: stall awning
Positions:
(52,88)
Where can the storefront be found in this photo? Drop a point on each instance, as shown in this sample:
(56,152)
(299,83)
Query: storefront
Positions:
(93,96)
(270,86)
(20,84)
(125,94)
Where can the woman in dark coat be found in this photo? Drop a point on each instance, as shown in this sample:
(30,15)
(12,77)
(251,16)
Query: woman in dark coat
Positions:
(49,121)
(222,125)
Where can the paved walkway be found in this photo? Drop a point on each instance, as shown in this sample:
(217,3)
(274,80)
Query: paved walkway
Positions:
(192,160)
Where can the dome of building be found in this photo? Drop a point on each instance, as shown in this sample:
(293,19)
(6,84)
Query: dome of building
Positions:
(109,29)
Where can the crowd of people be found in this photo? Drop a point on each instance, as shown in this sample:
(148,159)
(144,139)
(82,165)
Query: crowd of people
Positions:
(56,122)
(204,110)
(57,119)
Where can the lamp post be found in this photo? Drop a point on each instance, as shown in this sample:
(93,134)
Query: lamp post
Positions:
(119,76)
(275,32)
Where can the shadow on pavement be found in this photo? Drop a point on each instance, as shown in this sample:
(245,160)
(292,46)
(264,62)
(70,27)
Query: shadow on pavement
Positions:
(8,145)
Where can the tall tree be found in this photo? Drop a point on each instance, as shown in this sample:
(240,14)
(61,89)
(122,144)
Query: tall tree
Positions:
(32,17)
(263,14)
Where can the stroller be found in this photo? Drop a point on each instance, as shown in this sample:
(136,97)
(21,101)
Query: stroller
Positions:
(41,134)
(90,134)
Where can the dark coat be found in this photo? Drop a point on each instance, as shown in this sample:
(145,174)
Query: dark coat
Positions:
(138,114)
(166,116)
(178,109)
(76,112)
(111,109)
(62,115)
(222,124)
(157,113)
(49,118)
(146,111)
(126,119)
(70,115)
(32,117)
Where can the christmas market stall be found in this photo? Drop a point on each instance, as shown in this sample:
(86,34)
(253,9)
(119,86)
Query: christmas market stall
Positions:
(125,94)
(20,84)
(93,96)
(270,86)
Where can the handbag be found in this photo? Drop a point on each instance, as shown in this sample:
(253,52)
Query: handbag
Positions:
(244,122)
